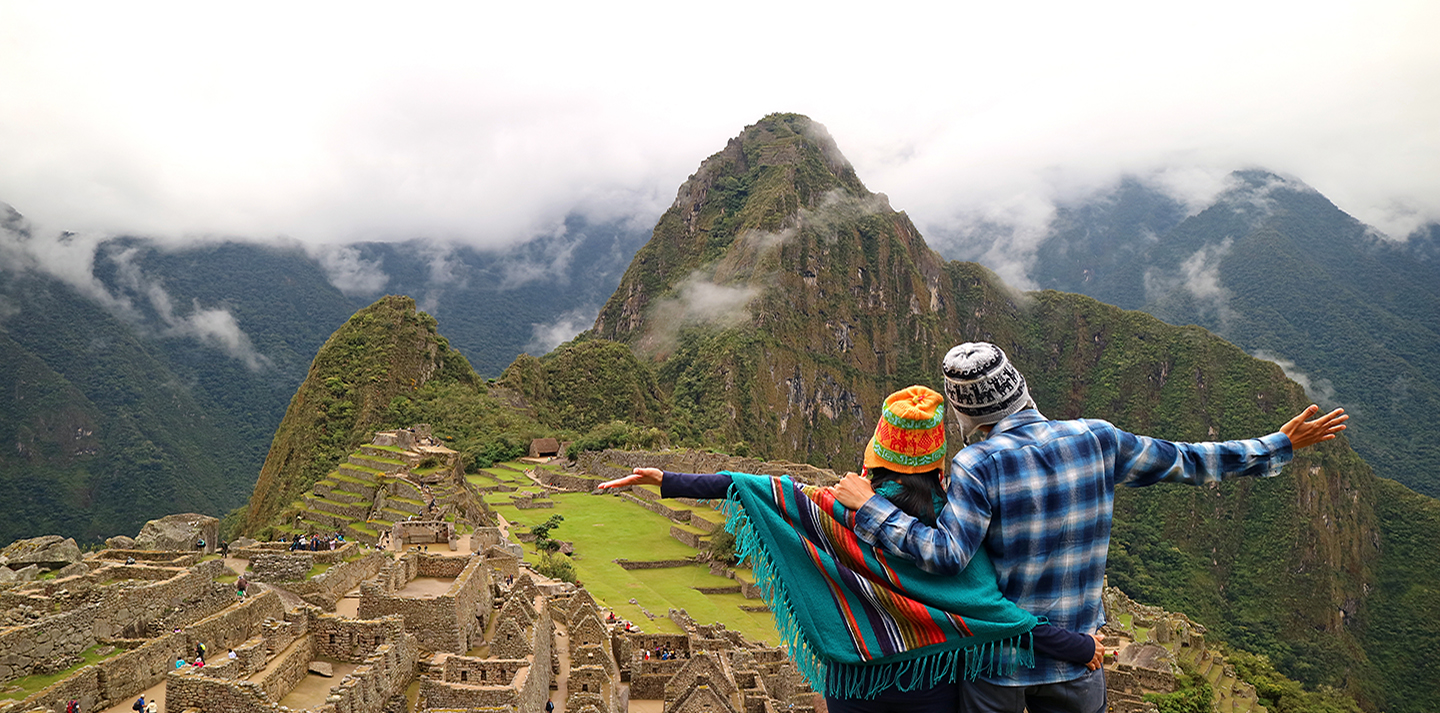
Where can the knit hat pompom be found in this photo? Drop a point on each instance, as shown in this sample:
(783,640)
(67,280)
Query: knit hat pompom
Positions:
(910,437)
(982,386)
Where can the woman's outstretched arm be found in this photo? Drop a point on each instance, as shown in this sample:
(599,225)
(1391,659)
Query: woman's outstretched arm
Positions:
(702,486)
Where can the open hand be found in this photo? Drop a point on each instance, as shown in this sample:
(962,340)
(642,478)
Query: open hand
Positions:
(852,491)
(638,476)
(1304,434)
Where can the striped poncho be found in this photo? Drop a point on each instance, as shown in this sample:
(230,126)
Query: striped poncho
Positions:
(855,620)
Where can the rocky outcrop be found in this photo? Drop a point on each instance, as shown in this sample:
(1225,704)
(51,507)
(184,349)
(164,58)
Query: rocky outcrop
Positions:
(48,552)
(179,533)
(120,542)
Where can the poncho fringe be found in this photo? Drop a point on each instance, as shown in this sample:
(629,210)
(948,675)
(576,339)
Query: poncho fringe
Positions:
(908,671)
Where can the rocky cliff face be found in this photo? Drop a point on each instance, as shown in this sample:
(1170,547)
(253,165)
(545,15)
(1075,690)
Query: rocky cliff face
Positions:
(780,300)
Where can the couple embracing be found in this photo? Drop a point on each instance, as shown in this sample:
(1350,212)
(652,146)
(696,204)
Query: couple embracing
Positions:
(907,588)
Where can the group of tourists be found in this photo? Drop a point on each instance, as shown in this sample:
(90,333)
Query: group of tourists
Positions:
(663,653)
(316,543)
(913,587)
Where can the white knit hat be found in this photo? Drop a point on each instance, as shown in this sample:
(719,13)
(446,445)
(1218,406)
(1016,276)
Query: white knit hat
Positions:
(982,386)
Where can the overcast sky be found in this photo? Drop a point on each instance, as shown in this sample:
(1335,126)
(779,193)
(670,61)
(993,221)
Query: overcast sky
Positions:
(485,124)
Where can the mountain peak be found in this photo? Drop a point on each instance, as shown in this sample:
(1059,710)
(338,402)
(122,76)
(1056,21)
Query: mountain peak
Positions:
(762,212)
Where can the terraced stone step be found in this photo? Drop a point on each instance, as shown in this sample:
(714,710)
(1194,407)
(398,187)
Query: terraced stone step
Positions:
(384,465)
(325,520)
(348,497)
(351,511)
(408,505)
(357,475)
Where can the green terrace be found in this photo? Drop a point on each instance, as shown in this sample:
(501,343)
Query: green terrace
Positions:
(606,527)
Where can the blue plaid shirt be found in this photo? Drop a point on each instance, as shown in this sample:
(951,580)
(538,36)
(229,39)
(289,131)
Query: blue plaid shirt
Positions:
(1039,494)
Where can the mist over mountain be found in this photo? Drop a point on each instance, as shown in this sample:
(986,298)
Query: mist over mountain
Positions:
(216,338)
(1273,266)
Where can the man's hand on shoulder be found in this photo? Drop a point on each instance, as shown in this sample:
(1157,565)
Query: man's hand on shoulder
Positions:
(1304,434)
(638,476)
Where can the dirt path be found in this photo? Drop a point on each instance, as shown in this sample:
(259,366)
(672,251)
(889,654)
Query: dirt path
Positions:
(562,683)
(312,690)
(155,693)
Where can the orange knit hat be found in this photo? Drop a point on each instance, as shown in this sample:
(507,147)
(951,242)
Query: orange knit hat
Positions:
(910,437)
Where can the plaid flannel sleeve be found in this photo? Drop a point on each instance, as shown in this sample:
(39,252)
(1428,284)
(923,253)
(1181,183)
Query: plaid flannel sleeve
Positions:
(944,549)
(1141,460)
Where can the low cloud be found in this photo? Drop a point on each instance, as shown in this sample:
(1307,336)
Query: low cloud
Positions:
(1321,391)
(350,273)
(444,271)
(214,327)
(1198,275)
(70,258)
(546,258)
(697,301)
(545,337)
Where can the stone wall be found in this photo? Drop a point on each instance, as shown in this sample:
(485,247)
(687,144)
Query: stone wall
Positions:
(651,502)
(689,538)
(610,464)
(440,566)
(126,675)
(353,640)
(326,556)
(83,686)
(450,622)
(288,567)
(235,625)
(47,645)
(384,675)
(167,558)
(566,481)
(133,611)
(287,669)
(186,689)
(326,588)
(654,564)
(134,671)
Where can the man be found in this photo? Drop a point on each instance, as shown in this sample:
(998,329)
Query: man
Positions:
(1038,495)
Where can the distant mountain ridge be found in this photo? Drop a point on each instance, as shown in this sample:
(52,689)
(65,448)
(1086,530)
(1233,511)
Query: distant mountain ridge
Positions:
(1274,267)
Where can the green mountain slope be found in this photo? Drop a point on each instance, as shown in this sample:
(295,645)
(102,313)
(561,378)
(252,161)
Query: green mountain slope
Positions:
(779,301)
(100,434)
(1279,270)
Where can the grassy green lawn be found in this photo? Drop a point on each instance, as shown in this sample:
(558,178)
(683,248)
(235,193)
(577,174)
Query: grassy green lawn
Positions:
(605,528)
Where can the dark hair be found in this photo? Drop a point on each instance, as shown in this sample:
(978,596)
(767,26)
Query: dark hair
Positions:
(917,494)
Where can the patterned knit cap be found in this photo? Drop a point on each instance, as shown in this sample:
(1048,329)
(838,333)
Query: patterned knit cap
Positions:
(982,386)
(910,437)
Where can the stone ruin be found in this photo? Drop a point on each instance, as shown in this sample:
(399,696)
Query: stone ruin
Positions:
(461,631)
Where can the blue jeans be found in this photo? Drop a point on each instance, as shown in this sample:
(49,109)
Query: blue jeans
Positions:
(1085,694)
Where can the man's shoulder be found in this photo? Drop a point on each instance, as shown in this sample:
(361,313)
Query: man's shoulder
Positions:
(1041,434)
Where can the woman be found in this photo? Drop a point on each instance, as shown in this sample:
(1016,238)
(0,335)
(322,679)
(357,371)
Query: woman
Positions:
(874,633)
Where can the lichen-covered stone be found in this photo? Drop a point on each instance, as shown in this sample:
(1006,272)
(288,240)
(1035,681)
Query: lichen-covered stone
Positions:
(49,551)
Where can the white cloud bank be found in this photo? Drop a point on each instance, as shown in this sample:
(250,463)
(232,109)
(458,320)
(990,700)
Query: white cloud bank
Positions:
(483,124)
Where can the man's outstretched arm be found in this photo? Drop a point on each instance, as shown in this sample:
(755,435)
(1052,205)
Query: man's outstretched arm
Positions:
(1141,460)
